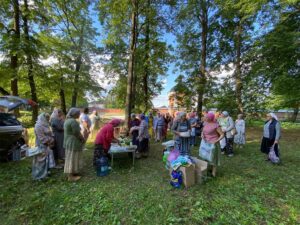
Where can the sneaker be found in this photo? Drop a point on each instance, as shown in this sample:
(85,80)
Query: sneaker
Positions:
(230,155)
(222,152)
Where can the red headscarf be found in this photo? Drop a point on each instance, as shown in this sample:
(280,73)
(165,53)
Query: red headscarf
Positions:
(106,134)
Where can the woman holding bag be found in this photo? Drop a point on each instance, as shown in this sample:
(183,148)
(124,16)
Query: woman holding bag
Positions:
(211,135)
(44,140)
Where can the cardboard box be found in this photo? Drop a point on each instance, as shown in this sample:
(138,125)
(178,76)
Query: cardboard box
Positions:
(200,169)
(188,175)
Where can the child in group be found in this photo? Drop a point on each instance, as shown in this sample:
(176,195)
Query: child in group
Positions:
(239,138)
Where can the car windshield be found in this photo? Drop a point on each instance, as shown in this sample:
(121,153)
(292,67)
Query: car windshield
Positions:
(8,120)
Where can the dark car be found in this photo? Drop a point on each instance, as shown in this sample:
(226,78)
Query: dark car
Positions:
(10,128)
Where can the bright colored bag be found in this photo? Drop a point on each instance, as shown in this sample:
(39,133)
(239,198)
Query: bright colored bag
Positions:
(206,151)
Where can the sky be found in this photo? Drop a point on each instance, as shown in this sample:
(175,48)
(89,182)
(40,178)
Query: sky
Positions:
(168,81)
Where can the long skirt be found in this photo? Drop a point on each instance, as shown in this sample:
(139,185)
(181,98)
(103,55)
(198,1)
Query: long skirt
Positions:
(266,145)
(73,162)
(184,147)
(159,133)
(239,138)
(58,150)
(216,159)
(41,164)
(143,145)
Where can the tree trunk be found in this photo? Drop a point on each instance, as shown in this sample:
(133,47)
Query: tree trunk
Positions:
(131,63)
(76,80)
(238,72)
(202,78)
(147,57)
(295,114)
(62,96)
(14,56)
(35,109)
(78,64)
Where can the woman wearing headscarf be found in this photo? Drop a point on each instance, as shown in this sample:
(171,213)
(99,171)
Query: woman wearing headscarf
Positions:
(239,138)
(44,140)
(182,124)
(57,123)
(143,137)
(212,133)
(95,120)
(150,125)
(73,144)
(104,138)
(193,122)
(159,127)
(227,128)
(134,123)
(272,132)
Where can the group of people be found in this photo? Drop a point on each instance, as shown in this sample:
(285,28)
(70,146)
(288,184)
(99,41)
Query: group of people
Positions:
(62,139)
(221,131)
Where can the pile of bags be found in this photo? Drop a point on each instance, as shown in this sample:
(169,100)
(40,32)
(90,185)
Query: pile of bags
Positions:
(183,169)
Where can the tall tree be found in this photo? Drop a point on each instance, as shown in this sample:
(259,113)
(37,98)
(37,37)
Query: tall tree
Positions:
(29,60)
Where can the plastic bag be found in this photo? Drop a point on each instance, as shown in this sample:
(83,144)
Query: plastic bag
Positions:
(173,155)
(272,156)
(206,151)
(176,179)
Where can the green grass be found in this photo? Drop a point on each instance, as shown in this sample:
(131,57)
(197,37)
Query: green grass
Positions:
(248,190)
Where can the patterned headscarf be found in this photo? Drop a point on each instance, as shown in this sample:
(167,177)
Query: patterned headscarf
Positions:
(225,113)
(42,119)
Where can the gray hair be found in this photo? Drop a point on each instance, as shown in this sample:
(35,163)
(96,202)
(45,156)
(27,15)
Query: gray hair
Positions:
(73,112)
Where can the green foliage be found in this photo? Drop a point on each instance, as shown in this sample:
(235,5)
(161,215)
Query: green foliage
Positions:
(248,190)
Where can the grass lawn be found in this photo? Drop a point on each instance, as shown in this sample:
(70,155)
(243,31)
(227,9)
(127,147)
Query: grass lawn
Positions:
(248,190)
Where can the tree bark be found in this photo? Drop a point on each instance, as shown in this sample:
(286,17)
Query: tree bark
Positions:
(78,63)
(35,109)
(295,114)
(14,57)
(147,57)
(128,105)
(62,96)
(238,71)
(202,77)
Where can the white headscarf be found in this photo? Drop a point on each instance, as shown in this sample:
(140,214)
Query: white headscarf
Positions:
(273,115)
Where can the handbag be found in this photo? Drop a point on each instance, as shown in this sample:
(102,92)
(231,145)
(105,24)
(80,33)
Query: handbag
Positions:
(272,156)
(233,132)
(206,151)
(34,151)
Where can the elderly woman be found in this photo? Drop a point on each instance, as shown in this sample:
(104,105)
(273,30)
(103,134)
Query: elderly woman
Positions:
(73,144)
(104,139)
(159,127)
(182,124)
(239,138)
(212,134)
(44,140)
(271,135)
(227,128)
(57,120)
(134,123)
(143,137)
(193,122)
(95,120)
